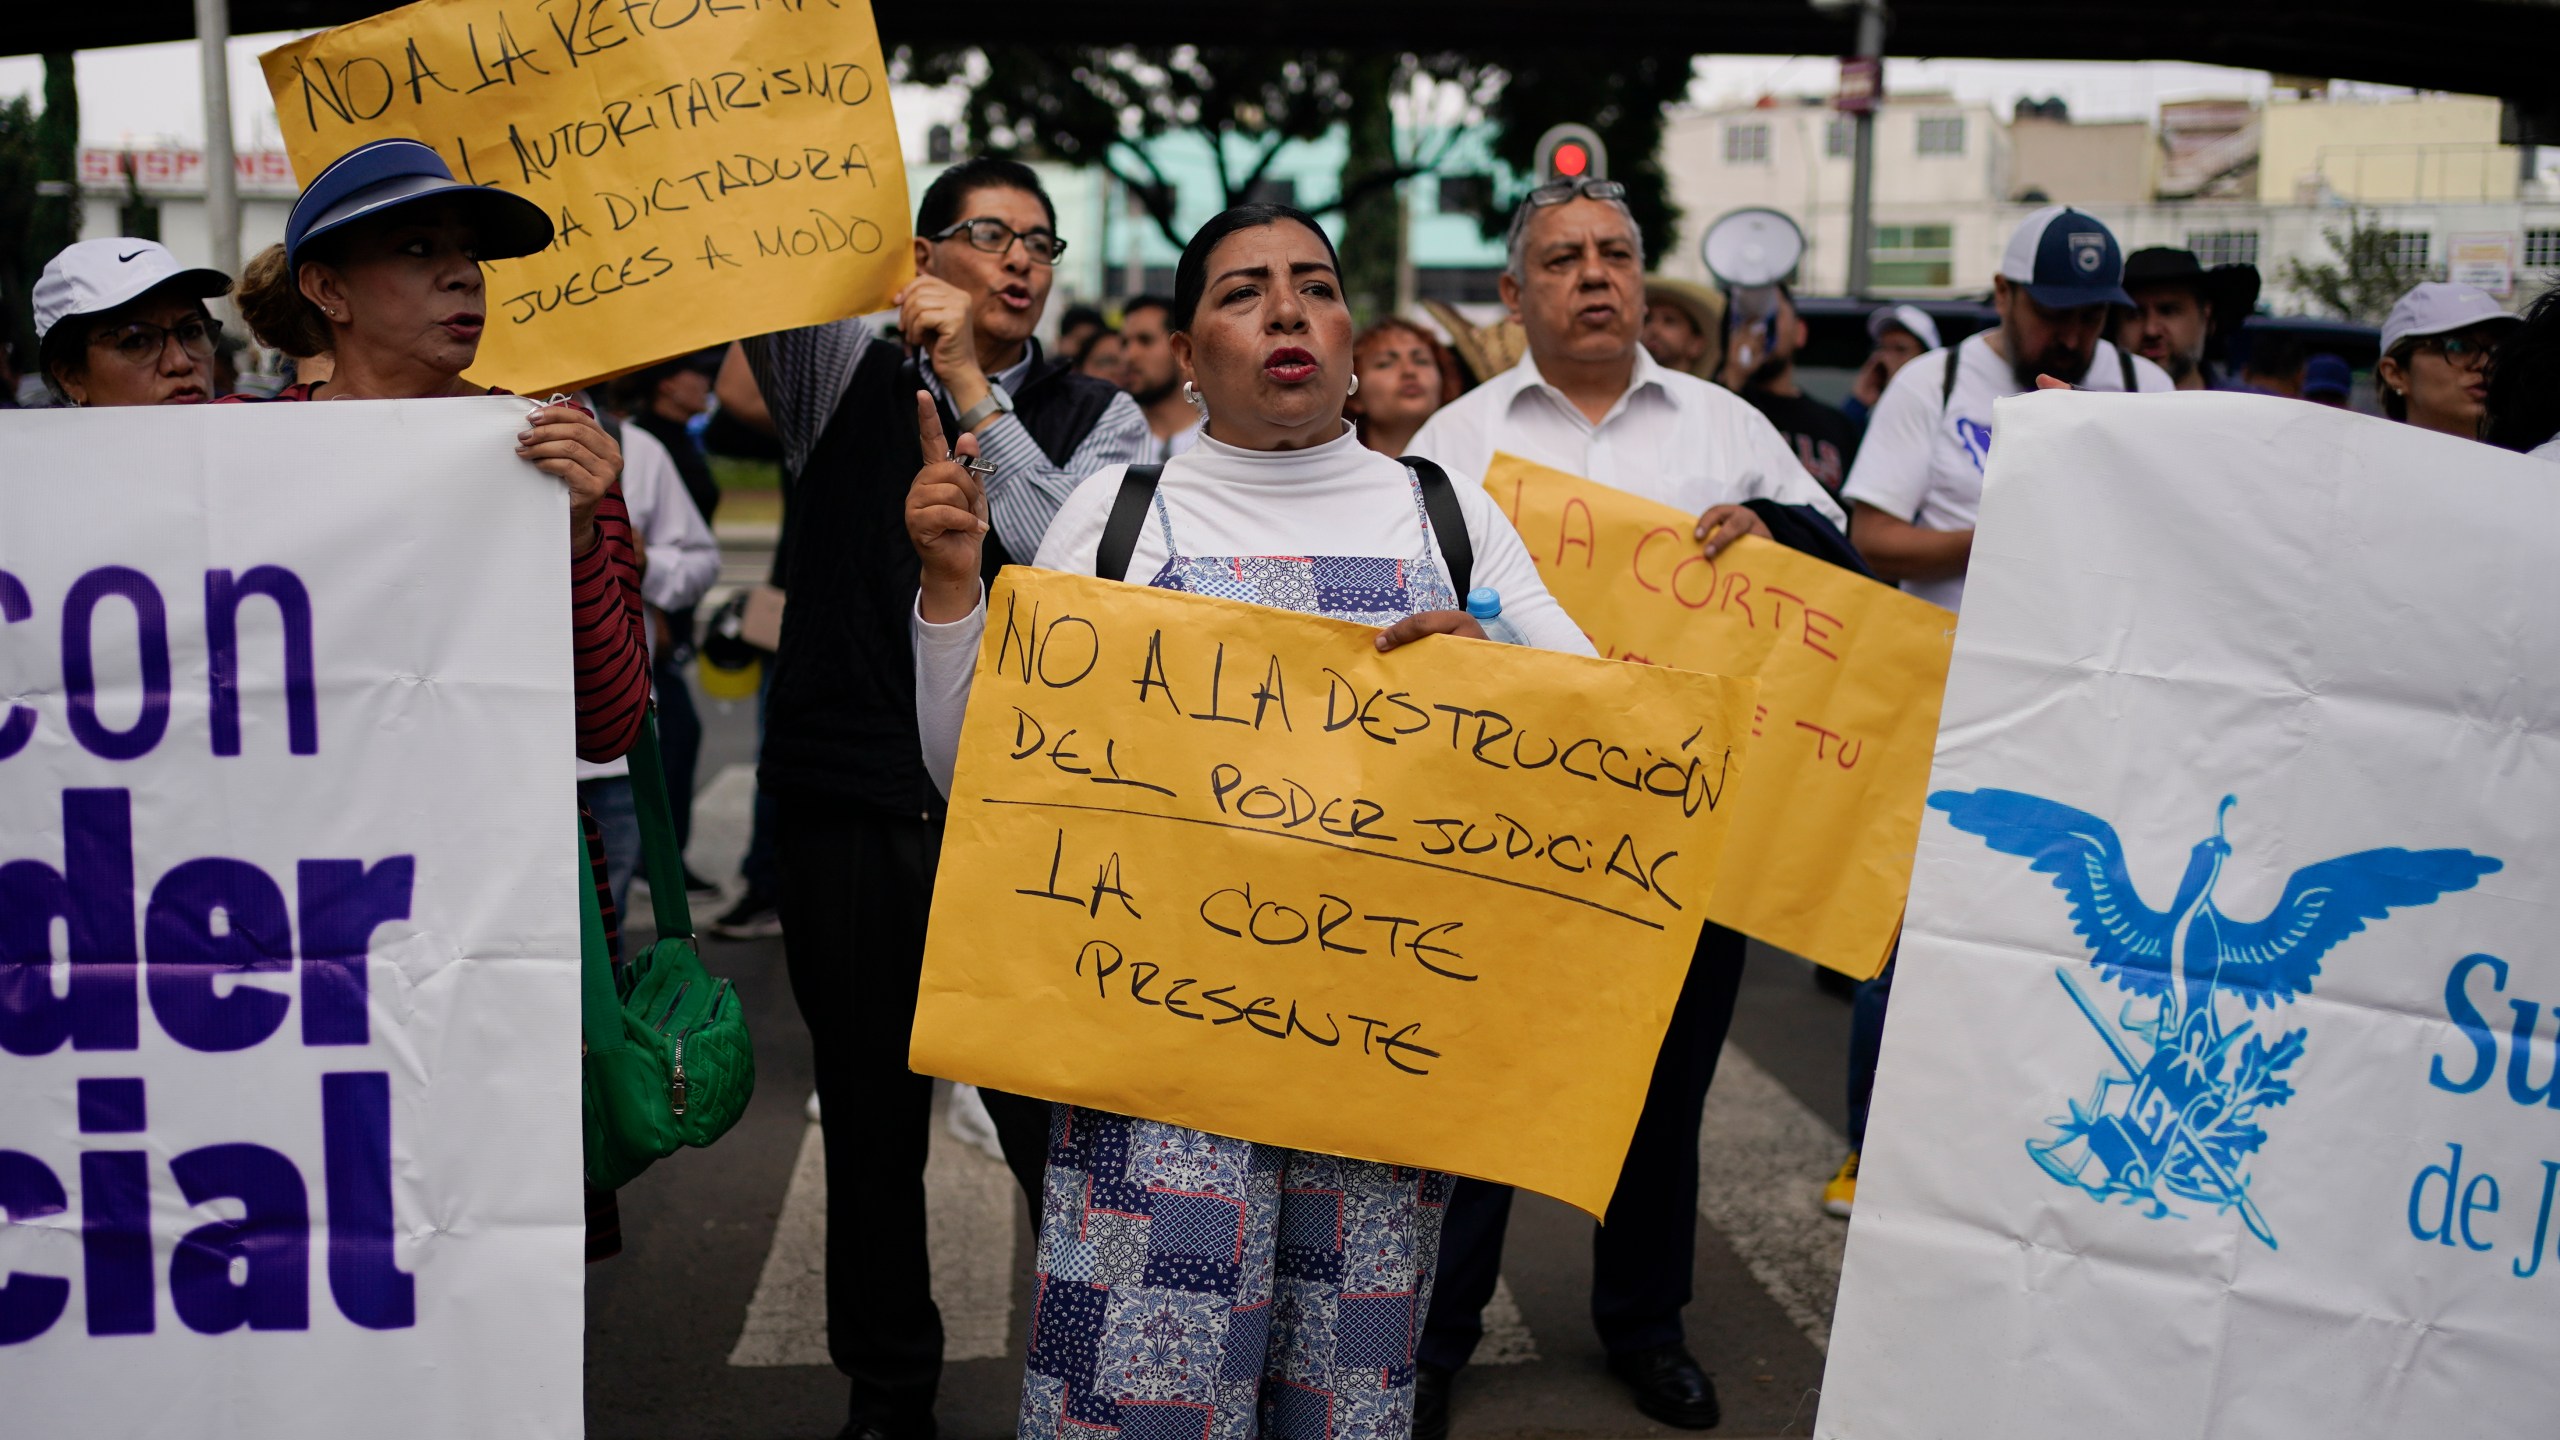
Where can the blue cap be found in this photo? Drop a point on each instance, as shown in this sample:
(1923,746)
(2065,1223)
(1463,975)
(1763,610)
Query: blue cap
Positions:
(383,174)
(2327,374)
(2066,258)
(1484,602)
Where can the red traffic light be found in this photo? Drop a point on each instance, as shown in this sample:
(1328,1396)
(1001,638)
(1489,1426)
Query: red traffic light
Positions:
(1571,152)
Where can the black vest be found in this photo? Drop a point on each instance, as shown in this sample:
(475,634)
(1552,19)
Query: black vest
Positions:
(840,721)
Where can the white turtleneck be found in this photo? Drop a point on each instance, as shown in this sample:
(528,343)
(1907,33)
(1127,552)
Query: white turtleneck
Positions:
(1339,498)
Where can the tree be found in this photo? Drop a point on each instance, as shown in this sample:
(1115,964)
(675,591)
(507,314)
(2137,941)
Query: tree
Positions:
(2369,276)
(38,151)
(1104,105)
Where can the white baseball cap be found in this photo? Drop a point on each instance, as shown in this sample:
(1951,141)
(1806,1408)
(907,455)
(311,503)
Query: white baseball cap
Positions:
(2440,307)
(92,276)
(1909,317)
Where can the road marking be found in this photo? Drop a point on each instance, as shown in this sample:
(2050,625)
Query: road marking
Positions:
(970,1204)
(1763,1157)
(1507,1340)
(1762,1161)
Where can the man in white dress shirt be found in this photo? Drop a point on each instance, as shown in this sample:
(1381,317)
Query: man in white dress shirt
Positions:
(1589,400)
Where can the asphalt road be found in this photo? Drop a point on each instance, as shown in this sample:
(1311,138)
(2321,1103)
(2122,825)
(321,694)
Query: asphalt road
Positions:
(708,1325)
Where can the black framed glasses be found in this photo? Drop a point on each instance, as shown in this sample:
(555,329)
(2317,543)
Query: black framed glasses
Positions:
(140,343)
(2461,349)
(1556,192)
(995,237)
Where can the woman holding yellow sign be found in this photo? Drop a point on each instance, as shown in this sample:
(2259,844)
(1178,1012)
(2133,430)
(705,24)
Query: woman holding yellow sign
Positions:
(1248,1278)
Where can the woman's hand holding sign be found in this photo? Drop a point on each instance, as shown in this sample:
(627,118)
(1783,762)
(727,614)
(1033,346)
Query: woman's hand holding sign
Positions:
(1430,622)
(566,442)
(946,520)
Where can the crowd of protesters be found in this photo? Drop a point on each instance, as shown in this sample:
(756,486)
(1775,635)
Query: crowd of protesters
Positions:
(1261,433)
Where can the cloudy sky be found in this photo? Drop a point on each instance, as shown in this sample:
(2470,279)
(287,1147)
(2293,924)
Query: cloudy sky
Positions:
(150,94)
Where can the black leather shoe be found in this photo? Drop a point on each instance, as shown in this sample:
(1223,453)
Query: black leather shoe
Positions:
(1431,1402)
(1669,1386)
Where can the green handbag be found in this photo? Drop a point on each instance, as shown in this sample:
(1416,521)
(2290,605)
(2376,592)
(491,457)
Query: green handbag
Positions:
(668,1061)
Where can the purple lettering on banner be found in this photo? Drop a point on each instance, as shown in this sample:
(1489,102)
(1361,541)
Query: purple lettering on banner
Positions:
(93,893)
(115,1241)
(222,597)
(341,902)
(20,727)
(184,953)
(355,1129)
(79,669)
(29,1304)
(272,1238)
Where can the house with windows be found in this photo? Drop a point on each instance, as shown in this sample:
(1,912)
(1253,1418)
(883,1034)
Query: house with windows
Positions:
(2233,180)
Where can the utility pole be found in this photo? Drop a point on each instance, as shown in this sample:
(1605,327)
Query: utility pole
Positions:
(1862,144)
(221,172)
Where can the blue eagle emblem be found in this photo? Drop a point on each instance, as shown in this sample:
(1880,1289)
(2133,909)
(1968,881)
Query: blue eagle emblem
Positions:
(2181,1119)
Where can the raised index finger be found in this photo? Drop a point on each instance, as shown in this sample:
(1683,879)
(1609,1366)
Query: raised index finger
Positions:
(929,430)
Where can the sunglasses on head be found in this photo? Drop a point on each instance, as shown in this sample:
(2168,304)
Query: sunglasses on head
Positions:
(1556,192)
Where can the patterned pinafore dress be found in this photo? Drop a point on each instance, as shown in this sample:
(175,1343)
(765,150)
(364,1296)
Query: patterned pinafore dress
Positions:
(1193,1287)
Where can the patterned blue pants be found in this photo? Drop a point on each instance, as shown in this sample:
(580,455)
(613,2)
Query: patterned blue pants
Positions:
(1193,1287)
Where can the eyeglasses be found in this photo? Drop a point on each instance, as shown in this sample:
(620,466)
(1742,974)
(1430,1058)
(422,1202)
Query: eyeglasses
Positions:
(995,237)
(141,343)
(2460,349)
(1556,192)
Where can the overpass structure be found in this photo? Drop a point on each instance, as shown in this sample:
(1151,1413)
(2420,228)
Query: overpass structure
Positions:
(2505,48)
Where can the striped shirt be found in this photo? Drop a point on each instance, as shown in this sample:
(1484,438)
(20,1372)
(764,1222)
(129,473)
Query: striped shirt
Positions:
(803,374)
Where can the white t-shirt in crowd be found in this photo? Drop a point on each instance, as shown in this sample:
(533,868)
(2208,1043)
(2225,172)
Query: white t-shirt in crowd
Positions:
(2547,450)
(1922,461)
(1671,438)
(1339,498)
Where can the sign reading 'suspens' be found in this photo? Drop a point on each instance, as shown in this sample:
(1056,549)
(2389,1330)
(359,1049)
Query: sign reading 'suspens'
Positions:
(288,934)
(712,170)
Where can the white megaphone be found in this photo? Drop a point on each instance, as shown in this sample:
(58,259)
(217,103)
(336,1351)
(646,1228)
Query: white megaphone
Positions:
(1750,251)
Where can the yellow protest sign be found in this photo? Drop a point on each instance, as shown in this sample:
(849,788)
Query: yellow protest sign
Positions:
(1851,673)
(713,170)
(1231,868)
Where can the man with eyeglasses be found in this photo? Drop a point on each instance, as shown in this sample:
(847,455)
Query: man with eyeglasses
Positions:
(858,822)
(1588,399)
(120,322)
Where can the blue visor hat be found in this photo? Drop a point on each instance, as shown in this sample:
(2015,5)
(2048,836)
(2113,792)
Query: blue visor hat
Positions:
(2066,258)
(385,174)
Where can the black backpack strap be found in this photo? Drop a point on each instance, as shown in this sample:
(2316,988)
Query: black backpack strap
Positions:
(1947,388)
(2124,362)
(1128,517)
(1448,524)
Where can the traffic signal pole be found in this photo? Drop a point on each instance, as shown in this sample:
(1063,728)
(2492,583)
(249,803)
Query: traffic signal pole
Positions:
(1862,150)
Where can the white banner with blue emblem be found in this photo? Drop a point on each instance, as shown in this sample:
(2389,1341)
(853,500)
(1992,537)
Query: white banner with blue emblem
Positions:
(289,1132)
(2218,1094)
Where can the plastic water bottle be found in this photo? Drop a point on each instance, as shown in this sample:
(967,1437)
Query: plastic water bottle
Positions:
(1485,604)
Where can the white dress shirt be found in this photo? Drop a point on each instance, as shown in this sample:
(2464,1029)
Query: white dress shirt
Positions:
(1672,438)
